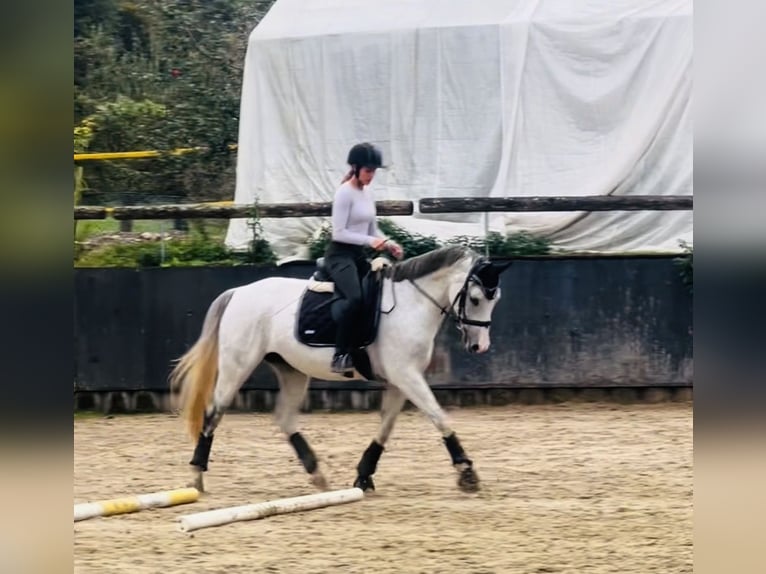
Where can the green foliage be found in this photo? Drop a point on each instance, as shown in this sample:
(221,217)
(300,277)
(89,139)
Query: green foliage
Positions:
(185,55)
(319,242)
(122,124)
(260,250)
(412,243)
(79,184)
(197,250)
(120,255)
(92,13)
(685,265)
(498,245)
(511,245)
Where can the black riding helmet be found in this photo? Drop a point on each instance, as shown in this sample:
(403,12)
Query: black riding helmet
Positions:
(364,155)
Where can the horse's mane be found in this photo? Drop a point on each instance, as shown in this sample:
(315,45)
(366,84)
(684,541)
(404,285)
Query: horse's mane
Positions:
(429,262)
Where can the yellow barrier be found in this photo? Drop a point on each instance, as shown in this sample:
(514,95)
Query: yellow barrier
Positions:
(99,156)
(135,503)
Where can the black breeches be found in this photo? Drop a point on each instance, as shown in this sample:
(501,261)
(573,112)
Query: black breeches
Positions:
(346,272)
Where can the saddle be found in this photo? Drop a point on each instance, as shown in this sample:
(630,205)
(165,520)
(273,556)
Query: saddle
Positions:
(314,324)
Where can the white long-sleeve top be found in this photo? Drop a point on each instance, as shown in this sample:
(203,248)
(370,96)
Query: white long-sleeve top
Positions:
(354,216)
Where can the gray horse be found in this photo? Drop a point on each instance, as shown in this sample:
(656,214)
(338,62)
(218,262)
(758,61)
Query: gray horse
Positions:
(256,322)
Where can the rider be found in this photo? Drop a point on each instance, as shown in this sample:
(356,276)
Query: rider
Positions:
(354,226)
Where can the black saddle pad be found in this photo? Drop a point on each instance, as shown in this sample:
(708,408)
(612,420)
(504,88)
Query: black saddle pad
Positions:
(315,325)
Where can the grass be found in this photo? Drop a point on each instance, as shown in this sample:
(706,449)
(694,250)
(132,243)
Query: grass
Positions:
(89,228)
(85,415)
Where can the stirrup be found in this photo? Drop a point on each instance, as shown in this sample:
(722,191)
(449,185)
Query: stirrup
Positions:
(342,364)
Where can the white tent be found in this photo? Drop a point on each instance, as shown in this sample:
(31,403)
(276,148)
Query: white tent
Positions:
(487,98)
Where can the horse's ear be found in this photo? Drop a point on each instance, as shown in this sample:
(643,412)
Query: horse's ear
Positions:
(500,267)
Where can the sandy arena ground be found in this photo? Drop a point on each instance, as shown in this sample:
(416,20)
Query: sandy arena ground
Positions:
(574,488)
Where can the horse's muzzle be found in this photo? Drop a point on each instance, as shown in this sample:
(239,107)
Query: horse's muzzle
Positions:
(476,348)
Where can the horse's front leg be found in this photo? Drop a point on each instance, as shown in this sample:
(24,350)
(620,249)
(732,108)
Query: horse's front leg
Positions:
(393,401)
(292,390)
(414,387)
(468,480)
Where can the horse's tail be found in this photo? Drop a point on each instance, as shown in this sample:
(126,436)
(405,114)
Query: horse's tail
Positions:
(195,372)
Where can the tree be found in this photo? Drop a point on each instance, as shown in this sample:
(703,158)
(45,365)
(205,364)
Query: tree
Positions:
(184,55)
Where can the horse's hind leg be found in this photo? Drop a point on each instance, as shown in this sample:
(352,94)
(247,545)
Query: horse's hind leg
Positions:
(393,401)
(201,455)
(292,389)
(414,386)
(231,376)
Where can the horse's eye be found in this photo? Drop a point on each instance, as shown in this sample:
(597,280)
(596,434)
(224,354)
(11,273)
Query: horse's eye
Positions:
(474,300)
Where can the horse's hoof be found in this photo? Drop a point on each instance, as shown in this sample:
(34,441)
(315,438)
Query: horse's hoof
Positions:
(364,483)
(197,482)
(468,480)
(319,481)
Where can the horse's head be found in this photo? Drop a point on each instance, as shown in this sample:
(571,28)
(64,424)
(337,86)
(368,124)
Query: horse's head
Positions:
(474,299)
(472,289)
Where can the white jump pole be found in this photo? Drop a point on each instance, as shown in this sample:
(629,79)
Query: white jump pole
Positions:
(135,503)
(269,508)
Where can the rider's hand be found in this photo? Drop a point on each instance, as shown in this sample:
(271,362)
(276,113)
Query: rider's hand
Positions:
(395,249)
(379,243)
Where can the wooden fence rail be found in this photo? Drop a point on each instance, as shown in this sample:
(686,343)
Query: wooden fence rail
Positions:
(557,203)
(228,210)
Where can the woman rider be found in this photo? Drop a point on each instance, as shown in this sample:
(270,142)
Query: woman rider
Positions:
(354,226)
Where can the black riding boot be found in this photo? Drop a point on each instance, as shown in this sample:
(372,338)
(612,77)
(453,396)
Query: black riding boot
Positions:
(341,363)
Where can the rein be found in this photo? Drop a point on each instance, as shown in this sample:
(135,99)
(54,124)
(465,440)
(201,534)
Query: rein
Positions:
(460,317)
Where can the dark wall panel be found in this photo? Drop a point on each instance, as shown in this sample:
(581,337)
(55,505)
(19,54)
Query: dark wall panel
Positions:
(560,322)
(584,323)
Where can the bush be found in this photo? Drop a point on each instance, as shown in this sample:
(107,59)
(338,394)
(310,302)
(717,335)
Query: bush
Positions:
(260,250)
(121,125)
(512,245)
(412,243)
(197,250)
(499,245)
(319,242)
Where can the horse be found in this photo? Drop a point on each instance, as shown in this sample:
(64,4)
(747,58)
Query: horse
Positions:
(249,324)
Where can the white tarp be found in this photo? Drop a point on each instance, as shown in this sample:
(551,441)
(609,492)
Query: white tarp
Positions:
(487,98)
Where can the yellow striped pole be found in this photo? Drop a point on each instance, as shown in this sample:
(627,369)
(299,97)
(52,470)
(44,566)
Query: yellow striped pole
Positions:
(128,504)
(116,155)
(109,155)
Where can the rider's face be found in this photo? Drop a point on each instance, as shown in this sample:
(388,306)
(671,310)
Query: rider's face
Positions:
(366,174)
